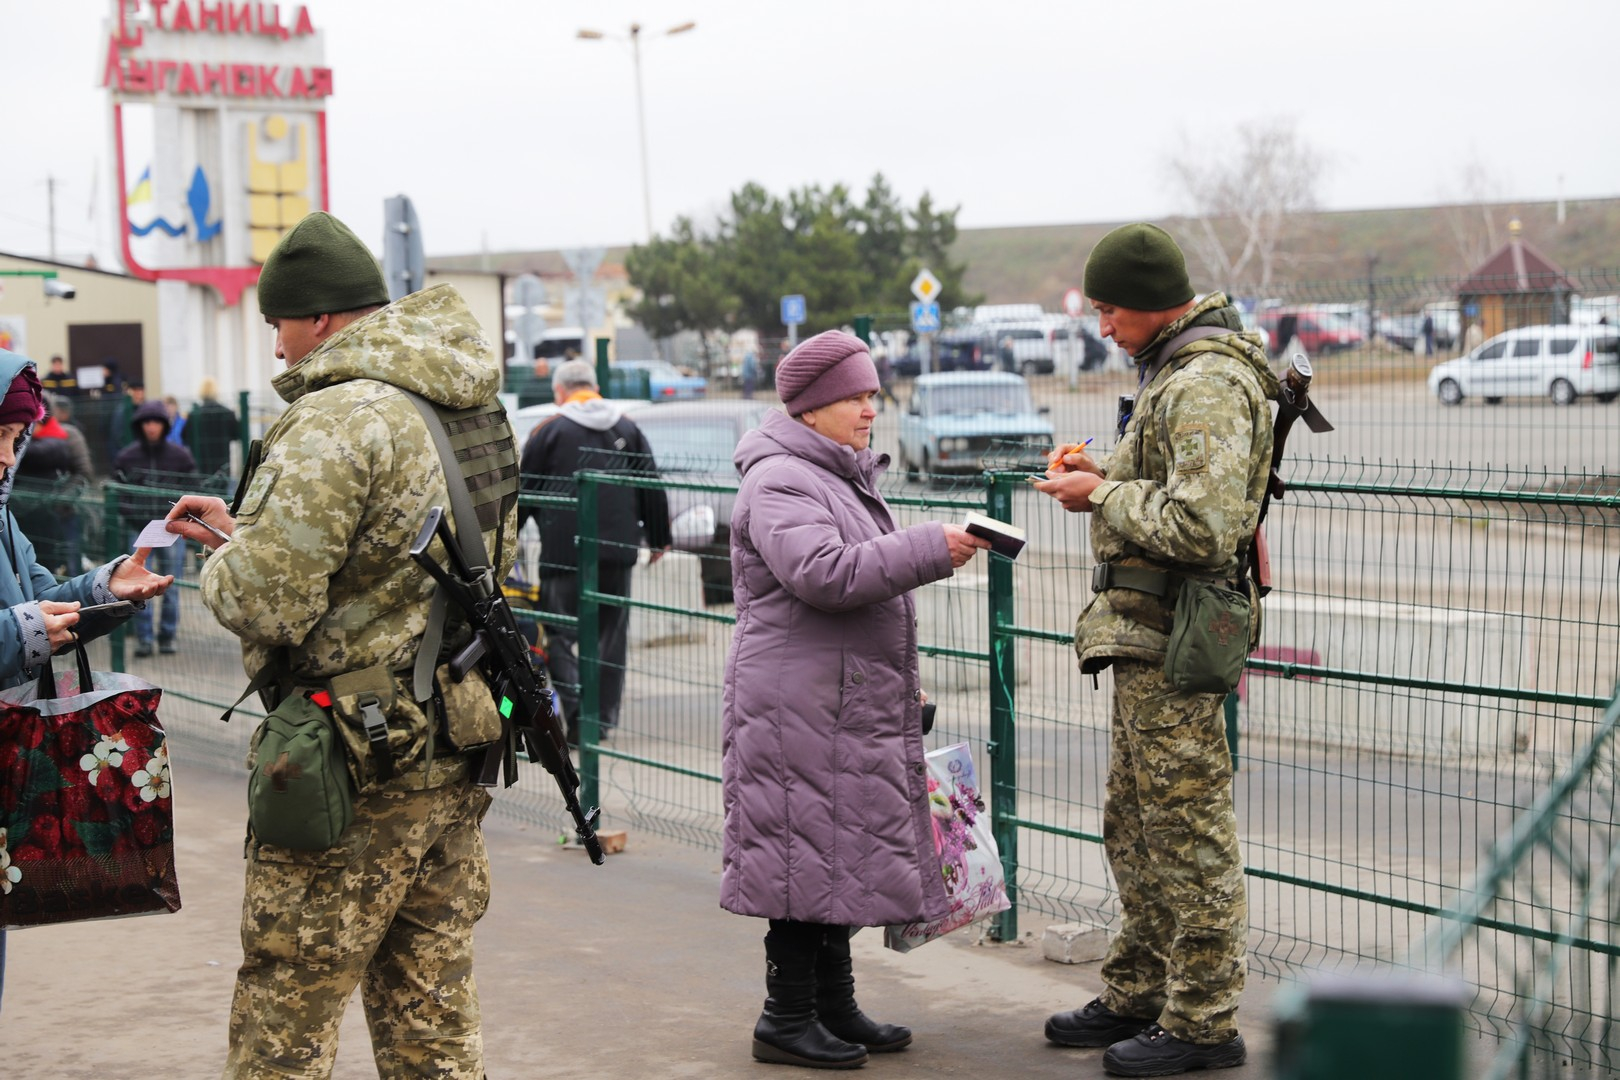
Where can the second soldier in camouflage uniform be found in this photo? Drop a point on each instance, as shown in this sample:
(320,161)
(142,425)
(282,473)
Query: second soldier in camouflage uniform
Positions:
(318,572)
(1181,498)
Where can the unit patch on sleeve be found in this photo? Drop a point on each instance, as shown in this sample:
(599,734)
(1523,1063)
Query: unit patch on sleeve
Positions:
(1191,445)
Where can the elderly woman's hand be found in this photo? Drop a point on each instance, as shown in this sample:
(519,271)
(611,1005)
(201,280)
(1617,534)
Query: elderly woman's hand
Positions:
(963,544)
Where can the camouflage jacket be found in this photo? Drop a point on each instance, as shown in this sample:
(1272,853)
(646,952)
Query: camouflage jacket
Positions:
(1185,482)
(319,563)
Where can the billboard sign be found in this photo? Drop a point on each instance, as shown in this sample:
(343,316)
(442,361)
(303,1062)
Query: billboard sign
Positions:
(219,122)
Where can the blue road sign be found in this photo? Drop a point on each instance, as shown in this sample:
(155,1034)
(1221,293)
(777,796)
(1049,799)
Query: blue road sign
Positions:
(792,310)
(925,316)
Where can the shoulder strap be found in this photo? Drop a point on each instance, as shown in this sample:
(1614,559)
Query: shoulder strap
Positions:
(1177,343)
(468,534)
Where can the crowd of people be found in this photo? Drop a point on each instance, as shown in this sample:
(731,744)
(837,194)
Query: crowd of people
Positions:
(827,816)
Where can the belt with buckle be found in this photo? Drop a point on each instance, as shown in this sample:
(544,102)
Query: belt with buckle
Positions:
(1106,576)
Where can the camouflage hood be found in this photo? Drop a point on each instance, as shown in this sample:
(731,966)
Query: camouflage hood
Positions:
(1244,345)
(428,343)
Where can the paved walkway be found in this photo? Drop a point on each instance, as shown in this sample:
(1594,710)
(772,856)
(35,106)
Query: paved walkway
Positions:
(597,973)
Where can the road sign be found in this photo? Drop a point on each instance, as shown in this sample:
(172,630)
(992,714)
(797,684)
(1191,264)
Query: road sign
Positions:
(792,310)
(925,286)
(1074,303)
(925,317)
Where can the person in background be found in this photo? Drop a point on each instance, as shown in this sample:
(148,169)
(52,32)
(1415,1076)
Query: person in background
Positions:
(1179,501)
(211,430)
(38,614)
(59,468)
(122,414)
(60,380)
(750,372)
(177,423)
(590,432)
(153,461)
(827,821)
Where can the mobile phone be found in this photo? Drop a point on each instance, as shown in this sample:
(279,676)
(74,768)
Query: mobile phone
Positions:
(117,607)
(928,717)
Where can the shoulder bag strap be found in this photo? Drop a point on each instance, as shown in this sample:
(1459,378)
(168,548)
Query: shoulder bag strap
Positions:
(1177,343)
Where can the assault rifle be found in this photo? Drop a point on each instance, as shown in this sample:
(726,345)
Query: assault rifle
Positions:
(1294,404)
(521,692)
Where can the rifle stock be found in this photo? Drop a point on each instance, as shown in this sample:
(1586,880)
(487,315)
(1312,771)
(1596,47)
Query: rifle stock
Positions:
(1294,404)
(502,655)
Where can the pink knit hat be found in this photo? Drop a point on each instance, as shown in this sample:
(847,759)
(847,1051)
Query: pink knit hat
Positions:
(829,367)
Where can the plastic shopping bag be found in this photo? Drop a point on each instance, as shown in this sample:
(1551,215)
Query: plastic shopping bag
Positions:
(968,859)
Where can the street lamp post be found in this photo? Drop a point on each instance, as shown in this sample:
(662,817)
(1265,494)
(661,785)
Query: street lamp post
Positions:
(641,108)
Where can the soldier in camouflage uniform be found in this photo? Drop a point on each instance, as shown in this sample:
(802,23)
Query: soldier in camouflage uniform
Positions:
(317,577)
(1180,498)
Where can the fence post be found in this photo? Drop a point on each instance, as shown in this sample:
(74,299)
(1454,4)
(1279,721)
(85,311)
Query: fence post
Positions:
(112,546)
(1003,746)
(590,653)
(244,426)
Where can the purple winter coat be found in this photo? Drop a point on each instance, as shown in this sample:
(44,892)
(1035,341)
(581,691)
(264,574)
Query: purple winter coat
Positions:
(826,795)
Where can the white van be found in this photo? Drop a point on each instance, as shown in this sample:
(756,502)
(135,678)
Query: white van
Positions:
(1559,362)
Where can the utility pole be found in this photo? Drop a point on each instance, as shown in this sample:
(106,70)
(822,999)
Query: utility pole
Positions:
(50,202)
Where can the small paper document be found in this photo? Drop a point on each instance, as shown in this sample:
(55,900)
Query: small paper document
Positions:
(1007,540)
(156,534)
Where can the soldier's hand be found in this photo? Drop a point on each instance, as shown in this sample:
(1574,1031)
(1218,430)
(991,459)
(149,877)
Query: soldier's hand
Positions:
(209,509)
(1071,457)
(1071,489)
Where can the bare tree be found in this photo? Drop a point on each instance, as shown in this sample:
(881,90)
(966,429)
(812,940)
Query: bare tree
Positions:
(1471,217)
(1241,194)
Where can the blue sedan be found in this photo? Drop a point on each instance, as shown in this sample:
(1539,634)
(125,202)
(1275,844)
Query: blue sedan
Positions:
(664,381)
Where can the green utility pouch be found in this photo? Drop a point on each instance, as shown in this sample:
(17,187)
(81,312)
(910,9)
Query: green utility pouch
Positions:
(298,792)
(1209,639)
(362,701)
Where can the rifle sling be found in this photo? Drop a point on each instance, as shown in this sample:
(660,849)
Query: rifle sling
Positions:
(470,536)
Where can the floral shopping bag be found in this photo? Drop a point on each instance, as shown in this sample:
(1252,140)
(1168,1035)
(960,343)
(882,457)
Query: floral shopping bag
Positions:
(968,859)
(86,814)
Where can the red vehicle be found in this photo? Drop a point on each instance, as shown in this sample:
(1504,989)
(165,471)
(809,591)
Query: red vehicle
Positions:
(1319,332)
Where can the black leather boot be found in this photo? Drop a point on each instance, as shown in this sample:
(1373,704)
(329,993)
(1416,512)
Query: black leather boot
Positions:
(835,999)
(788,1032)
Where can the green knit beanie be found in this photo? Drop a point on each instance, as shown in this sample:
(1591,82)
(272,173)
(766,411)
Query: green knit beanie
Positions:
(1138,267)
(319,268)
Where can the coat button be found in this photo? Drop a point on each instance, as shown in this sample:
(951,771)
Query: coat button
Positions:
(916,695)
(919,768)
(857,678)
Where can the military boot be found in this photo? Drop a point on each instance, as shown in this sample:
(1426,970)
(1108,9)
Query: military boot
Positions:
(788,1032)
(1093,1024)
(835,999)
(1156,1052)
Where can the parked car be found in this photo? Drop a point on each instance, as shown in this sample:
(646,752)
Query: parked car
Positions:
(694,441)
(1319,332)
(665,382)
(1559,362)
(1025,348)
(961,422)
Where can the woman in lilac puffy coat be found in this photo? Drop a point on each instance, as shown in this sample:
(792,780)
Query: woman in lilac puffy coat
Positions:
(826,796)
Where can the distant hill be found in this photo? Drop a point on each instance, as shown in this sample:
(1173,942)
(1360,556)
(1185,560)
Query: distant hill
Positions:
(1329,248)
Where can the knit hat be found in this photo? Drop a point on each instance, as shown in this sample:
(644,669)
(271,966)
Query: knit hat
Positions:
(829,367)
(319,268)
(24,402)
(1138,267)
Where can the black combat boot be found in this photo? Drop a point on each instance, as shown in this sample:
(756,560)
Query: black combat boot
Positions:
(1156,1052)
(788,1032)
(1093,1024)
(835,999)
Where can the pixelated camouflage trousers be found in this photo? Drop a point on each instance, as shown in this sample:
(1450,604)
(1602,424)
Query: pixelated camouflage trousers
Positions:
(391,909)
(1170,834)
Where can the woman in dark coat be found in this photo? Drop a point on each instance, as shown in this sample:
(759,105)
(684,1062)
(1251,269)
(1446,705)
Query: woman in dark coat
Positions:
(826,800)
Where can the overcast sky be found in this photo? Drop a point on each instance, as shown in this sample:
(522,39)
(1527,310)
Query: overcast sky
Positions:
(506,129)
